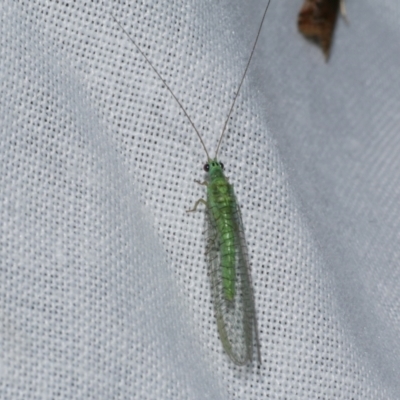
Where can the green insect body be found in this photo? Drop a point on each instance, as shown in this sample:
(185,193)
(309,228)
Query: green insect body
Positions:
(227,254)
(231,287)
(222,206)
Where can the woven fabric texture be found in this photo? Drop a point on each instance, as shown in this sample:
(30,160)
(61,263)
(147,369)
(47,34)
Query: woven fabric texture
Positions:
(104,286)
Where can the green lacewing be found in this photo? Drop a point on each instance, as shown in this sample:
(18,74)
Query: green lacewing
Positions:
(231,287)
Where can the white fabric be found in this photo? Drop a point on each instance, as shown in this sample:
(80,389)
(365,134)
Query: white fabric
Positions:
(104,292)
